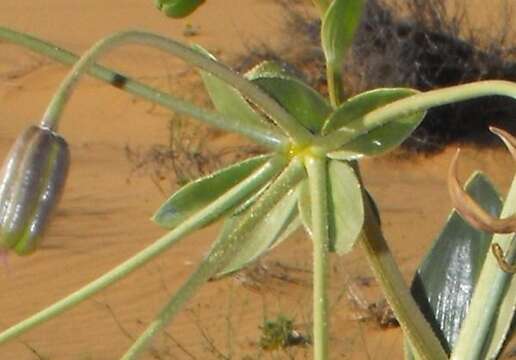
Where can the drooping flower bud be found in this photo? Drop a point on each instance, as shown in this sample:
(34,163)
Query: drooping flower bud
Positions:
(178,8)
(31,182)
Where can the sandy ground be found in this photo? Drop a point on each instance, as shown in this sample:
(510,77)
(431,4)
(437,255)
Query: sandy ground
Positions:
(103,218)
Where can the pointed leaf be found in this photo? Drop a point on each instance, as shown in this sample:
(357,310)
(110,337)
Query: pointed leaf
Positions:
(444,283)
(377,140)
(300,100)
(270,228)
(338,28)
(227,100)
(198,194)
(345,206)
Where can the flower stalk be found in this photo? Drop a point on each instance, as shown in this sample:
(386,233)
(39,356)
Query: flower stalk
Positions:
(284,120)
(318,185)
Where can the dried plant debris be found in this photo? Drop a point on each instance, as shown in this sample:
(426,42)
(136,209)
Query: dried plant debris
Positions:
(186,157)
(412,43)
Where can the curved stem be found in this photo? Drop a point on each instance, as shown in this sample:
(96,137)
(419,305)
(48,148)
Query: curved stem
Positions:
(413,104)
(203,217)
(414,325)
(317,180)
(284,120)
(262,135)
(221,253)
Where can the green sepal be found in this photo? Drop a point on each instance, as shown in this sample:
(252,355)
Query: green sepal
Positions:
(228,101)
(304,103)
(338,29)
(178,8)
(270,229)
(197,194)
(377,140)
(444,283)
(346,210)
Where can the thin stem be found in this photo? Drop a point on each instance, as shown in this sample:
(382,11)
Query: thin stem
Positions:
(284,120)
(203,217)
(413,104)
(317,180)
(491,291)
(334,81)
(264,135)
(219,256)
(414,325)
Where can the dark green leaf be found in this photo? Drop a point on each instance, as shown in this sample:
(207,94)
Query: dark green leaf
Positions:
(346,211)
(300,100)
(377,140)
(338,28)
(444,283)
(199,193)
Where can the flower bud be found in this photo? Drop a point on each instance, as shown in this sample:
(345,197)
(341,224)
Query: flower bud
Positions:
(31,182)
(178,8)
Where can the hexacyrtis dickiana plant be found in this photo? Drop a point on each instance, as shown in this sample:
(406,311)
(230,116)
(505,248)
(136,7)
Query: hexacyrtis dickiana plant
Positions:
(309,176)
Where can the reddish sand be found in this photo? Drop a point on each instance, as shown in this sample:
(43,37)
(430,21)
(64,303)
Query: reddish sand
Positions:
(103,218)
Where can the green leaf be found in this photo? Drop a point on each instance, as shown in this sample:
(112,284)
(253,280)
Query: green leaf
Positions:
(178,8)
(227,100)
(338,28)
(377,140)
(198,194)
(304,103)
(445,281)
(269,229)
(345,206)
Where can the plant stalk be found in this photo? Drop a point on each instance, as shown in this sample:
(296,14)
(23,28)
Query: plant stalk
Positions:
(219,256)
(284,120)
(318,184)
(414,325)
(335,87)
(491,291)
(412,104)
(268,137)
(204,217)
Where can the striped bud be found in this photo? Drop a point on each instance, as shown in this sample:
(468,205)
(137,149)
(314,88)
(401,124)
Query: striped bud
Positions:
(178,8)
(31,182)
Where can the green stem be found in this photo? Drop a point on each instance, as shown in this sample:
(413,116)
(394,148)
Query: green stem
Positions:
(414,325)
(202,218)
(284,120)
(265,136)
(413,104)
(219,256)
(335,87)
(491,292)
(322,5)
(317,180)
